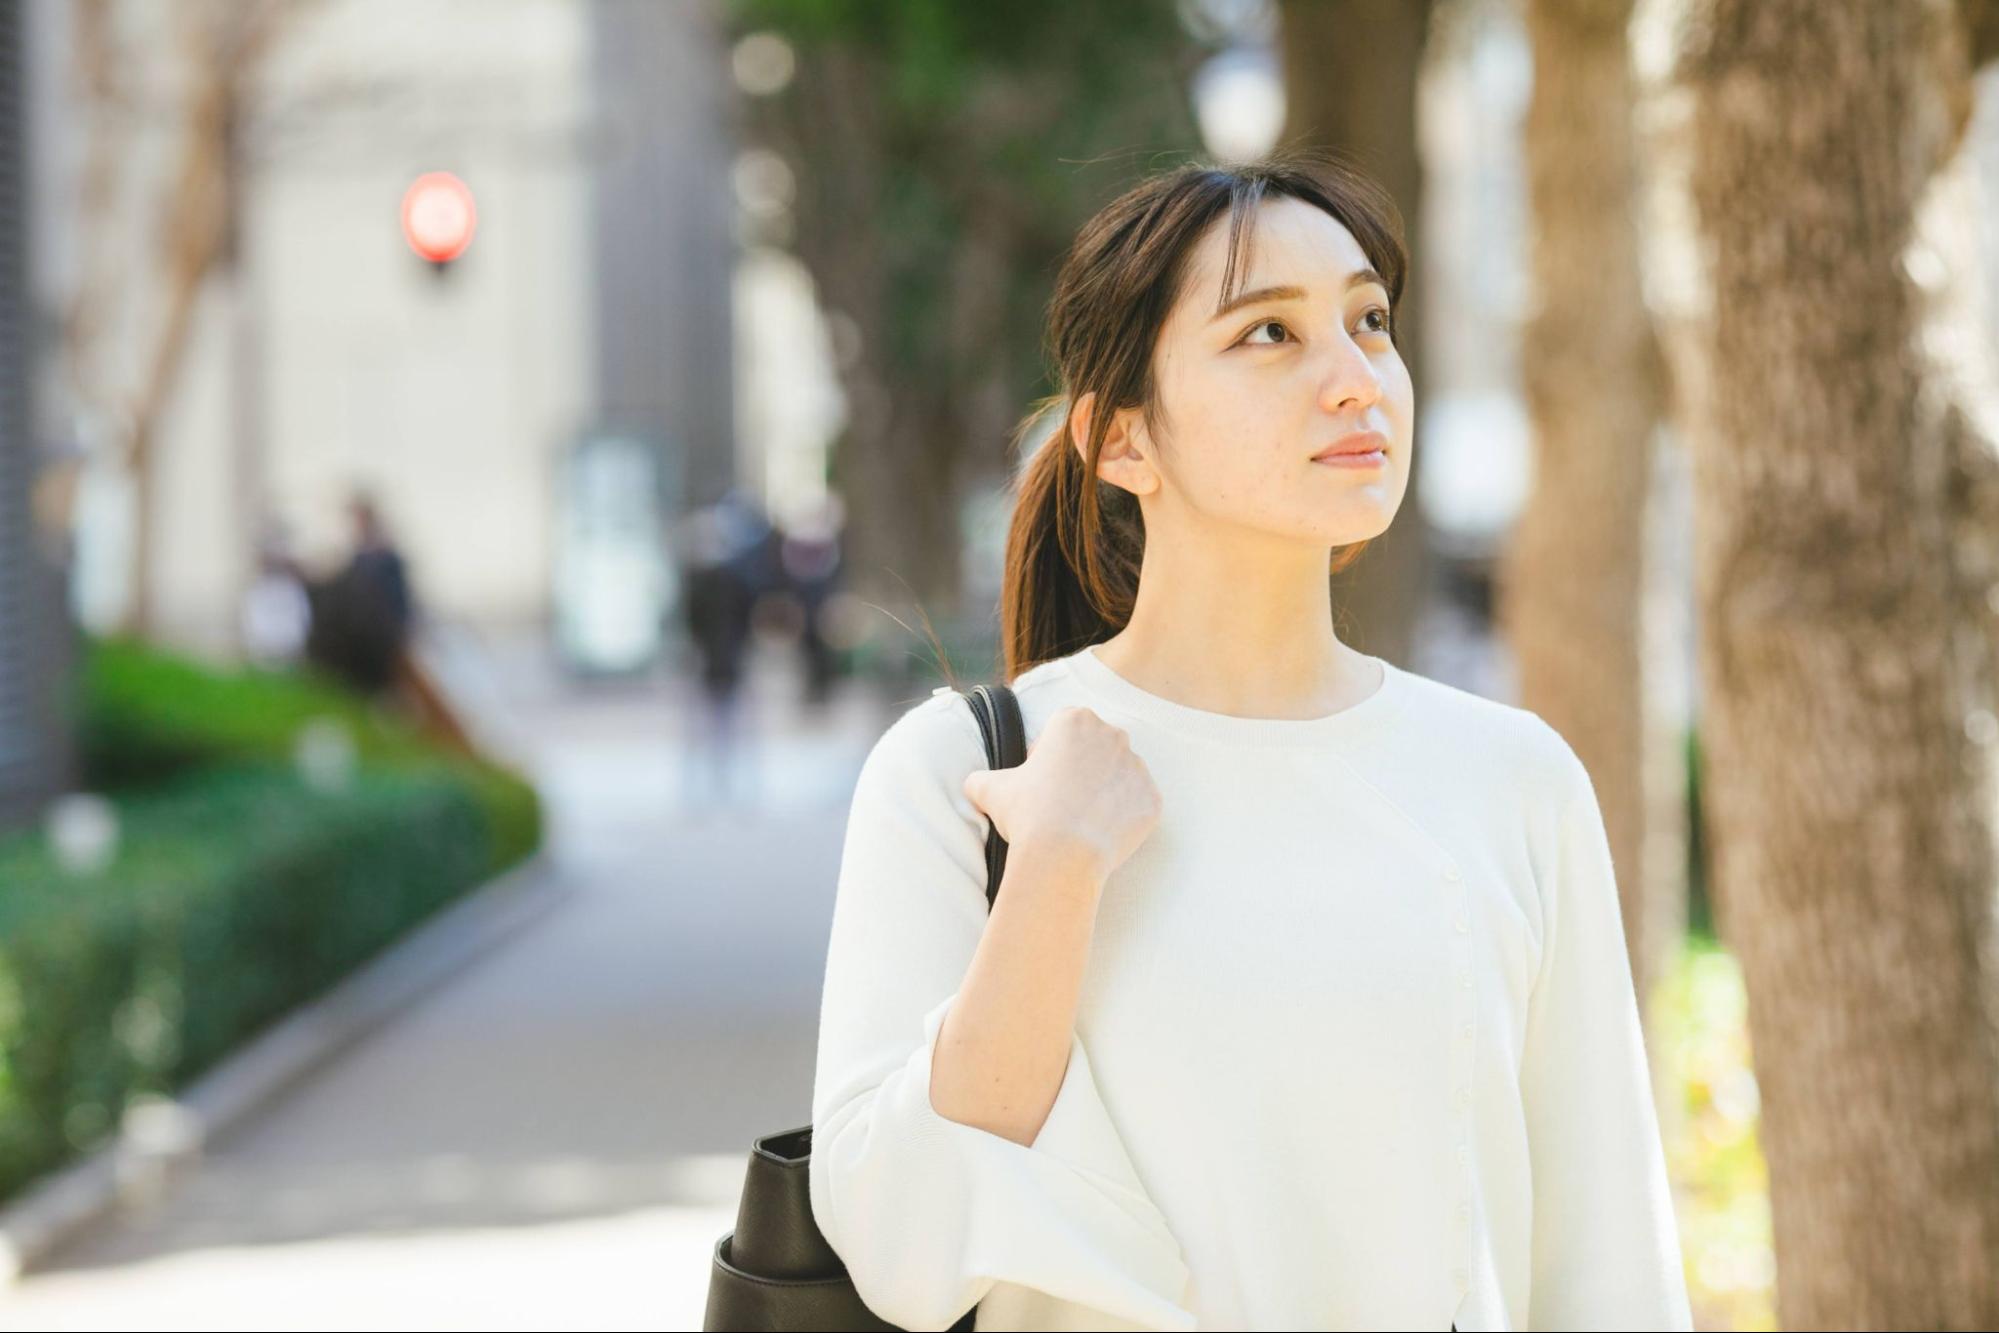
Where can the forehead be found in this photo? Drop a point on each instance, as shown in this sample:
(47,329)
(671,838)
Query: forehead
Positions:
(1290,241)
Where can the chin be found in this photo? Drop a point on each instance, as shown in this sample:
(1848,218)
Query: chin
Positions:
(1363,527)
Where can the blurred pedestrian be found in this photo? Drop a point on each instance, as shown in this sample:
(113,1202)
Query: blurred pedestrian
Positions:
(363,629)
(729,568)
(810,555)
(276,614)
(361,615)
(377,561)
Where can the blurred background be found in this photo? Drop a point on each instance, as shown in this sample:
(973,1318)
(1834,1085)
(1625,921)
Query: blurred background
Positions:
(476,476)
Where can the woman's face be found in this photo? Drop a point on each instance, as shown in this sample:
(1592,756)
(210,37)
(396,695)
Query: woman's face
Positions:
(1246,398)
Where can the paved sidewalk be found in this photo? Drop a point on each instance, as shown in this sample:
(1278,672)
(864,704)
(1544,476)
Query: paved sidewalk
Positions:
(555,1138)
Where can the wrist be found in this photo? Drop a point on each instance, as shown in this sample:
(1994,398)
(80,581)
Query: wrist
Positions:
(1074,866)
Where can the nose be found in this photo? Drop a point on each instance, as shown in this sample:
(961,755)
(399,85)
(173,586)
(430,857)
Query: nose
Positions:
(1350,381)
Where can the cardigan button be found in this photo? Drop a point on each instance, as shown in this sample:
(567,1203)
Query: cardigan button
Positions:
(1450,872)
(1462,922)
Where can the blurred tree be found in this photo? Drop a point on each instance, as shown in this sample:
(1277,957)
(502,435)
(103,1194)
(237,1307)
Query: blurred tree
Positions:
(1846,514)
(36,648)
(938,151)
(1981,18)
(1569,585)
(1350,70)
(221,47)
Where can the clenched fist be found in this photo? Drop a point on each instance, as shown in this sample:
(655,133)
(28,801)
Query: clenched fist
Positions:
(1080,792)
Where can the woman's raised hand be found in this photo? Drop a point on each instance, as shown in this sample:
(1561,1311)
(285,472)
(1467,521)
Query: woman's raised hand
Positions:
(1081,792)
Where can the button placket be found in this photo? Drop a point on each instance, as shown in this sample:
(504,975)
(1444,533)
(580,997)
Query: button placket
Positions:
(1465,1015)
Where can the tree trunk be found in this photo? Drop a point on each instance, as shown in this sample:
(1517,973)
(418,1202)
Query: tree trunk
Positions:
(1570,585)
(896,464)
(1981,20)
(191,240)
(1350,70)
(1847,726)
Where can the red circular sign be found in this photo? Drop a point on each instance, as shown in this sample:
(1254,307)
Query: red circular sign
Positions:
(438,216)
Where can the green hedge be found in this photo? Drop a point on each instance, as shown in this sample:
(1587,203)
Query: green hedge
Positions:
(144,715)
(238,891)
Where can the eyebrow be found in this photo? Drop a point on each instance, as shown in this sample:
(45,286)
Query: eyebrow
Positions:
(1359,277)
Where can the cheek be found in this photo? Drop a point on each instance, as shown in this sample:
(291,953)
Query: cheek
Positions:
(1400,392)
(1255,470)
(1213,424)
(1235,444)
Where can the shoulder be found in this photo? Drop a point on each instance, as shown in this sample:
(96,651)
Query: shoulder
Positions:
(911,785)
(931,743)
(1493,742)
(931,740)
(940,728)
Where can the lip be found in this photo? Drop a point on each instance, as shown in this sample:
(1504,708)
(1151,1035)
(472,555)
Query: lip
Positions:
(1365,448)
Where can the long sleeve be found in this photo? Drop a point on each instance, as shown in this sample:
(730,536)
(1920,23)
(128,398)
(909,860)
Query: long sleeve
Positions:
(1605,1246)
(929,1213)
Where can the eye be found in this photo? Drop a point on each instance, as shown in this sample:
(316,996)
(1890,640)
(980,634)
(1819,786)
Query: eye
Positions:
(1246,340)
(1383,325)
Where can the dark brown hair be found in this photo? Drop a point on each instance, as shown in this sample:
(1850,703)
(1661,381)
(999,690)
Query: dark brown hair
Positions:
(1074,548)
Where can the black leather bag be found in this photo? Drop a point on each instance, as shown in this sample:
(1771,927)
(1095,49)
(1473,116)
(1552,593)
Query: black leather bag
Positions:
(775,1271)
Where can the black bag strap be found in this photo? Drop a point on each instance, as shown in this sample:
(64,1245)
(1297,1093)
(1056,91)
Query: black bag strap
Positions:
(776,1269)
(1005,735)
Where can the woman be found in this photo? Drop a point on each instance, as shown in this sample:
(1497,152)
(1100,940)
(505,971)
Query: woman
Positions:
(1304,1003)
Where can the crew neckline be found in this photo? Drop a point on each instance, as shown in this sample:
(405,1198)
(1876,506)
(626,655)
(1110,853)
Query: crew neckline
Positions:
(1102,682)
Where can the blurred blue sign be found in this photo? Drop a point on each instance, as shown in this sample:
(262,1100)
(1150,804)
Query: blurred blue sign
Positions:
(613,581)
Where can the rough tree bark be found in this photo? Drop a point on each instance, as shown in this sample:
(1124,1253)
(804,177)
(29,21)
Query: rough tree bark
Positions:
(1569,588)
(1848,693)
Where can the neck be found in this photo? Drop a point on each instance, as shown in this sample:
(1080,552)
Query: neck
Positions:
(1250,642)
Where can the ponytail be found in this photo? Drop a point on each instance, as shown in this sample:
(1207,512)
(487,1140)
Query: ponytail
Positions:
(1072,554)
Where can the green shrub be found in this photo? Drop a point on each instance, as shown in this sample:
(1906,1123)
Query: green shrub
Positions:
(144,716)
(238,891)
(236,894)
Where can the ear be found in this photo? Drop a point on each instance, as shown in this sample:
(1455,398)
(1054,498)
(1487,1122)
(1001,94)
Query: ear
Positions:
(1125,459)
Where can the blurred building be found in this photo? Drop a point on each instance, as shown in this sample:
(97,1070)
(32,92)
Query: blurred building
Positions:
(323,353)
(34,648)
(664,239)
